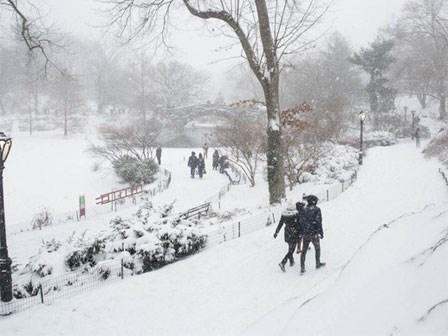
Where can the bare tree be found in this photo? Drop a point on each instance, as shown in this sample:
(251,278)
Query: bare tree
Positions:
(137,140)
(177,83)
(424,27)
(66,92)
(246,140)
(31,29)
(301,151)
(266,30)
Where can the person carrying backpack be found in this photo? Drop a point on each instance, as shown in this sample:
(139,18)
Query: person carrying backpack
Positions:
(312,232)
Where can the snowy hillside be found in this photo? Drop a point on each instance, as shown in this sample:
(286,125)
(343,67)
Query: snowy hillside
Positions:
(377,282)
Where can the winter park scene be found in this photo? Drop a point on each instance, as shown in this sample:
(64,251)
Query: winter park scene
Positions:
(227,167)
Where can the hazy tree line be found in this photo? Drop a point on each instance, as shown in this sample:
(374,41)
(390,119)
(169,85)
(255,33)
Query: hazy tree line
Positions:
(92,78)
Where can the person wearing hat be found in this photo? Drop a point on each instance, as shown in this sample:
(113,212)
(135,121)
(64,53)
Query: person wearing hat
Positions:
(311,230)
(290,218)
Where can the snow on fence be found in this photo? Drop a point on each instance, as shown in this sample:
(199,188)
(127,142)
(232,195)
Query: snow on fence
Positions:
(67,285)
(107,271)
(261,220)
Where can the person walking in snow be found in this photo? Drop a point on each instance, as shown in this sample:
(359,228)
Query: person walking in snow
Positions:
(192,163)
(290,219)
(223,163)
(417,137)
(300,207)
(312,232)
(159,155)
(205,148)
(215,157)
(201,165)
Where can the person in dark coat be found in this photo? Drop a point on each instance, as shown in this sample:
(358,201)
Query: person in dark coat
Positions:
(417,137)
(205,148)
(223,163)
(215,159)
(300,209)
(290,219)
(192,163)
(159,155)
(311,230)
(201,165)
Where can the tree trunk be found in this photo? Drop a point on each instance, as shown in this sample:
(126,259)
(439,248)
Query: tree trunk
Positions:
(275,157)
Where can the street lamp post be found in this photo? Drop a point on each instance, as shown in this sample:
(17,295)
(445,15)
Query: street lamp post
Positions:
(362,116)
(5,261)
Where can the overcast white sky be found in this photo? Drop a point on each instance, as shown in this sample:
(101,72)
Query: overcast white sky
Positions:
(357,20)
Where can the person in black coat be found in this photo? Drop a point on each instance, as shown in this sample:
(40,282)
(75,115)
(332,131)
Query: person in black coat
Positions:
(159,155)
(201,165)
(215,159)
(300,206)
(192,163)
(290,219)
(311,231)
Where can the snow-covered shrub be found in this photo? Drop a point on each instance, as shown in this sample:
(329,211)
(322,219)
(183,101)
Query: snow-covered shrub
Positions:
(152,246)
(337,163)
(370,139)
(48,261)
(438,147)
(131,170)
(143,242)
(42,219)
(86,254)
(379,138)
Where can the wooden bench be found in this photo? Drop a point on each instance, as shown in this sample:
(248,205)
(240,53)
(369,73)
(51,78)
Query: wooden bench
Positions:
(196,211)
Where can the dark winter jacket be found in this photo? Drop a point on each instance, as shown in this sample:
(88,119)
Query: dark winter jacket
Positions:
(201,163)
(312,221)
(291,221)
(159,152)
(192,161)
(215,159)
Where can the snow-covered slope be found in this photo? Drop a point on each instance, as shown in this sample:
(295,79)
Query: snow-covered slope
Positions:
(374,283)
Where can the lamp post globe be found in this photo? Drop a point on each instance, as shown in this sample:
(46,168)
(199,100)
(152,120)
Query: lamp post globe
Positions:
(5,261)
(362,117)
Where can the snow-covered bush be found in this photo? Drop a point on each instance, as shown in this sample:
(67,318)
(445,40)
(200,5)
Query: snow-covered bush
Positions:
(86,253)
(379,138)
(131,170)
(337,163)
(370,139)
(48,261)
(144,242)
(438,147)
(41,219)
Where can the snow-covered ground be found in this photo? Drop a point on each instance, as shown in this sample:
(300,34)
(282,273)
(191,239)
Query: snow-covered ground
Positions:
(371,285)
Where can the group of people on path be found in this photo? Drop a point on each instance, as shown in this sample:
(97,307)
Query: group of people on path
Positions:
(197,163)
(303,225)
